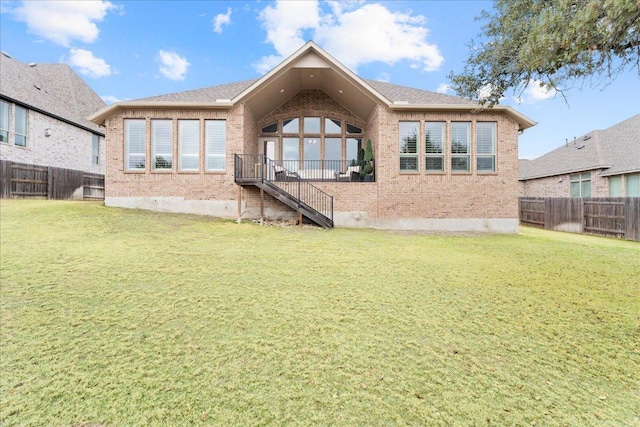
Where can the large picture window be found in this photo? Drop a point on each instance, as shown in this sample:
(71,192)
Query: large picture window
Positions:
(4,121)
(216,144)
(486,147)
(135,142)
(460,147)
(162,144)
(408,145)
(434,146)
(189,145)
(21,126)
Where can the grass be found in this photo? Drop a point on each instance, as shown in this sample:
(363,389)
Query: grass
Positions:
(114,317)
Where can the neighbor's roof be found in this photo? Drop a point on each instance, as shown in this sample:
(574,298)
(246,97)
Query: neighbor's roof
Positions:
(309,67)
(616,150)
(53,89)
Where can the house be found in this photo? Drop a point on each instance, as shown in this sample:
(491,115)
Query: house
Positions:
(288,144)
(43,117)
(601,163)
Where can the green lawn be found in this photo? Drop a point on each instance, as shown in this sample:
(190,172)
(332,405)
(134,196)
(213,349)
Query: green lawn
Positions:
(114,317)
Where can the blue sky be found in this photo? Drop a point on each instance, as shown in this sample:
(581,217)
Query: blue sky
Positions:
(133,49)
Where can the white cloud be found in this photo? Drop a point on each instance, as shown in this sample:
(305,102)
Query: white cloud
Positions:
(384,77)
(64,21)
(173,67)
(444,88)
(88,64)
(354,33)
(536,91)
(110,99)
(221,20)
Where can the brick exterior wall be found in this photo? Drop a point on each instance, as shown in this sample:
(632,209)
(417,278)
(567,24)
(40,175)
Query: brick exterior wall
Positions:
(68,146)
(559,186)
(395,200)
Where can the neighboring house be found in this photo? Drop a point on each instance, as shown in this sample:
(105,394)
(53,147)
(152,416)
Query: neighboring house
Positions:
(293,137)
(43,117)
(602,163)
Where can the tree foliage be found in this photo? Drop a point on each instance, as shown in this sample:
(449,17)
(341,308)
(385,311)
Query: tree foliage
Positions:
(551,43)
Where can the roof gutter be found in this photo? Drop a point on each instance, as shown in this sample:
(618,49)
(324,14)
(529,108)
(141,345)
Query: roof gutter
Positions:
(101,116)
(53,116)
(523,121)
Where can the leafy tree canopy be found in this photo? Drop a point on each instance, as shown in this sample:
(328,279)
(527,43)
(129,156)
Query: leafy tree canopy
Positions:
(550,43)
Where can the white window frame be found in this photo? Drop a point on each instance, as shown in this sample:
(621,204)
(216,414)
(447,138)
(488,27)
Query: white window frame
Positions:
(216,145)
(141,124)
(456,154)
(161,143)
(4,121)
(405,152)
(486,150)
(188,144)
(20,138)
(434,132)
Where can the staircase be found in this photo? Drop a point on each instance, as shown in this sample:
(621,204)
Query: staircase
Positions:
(285,186)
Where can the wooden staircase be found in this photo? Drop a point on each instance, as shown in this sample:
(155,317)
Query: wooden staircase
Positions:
(285,186)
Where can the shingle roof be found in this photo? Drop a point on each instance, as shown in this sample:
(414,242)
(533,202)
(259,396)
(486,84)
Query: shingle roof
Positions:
(415,96)
(207,94)
(390,91)
(52,88)
(616,150)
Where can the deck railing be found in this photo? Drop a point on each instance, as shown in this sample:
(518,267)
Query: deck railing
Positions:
(257,167)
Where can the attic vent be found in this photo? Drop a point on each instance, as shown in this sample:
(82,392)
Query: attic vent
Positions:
(32,64)
(37,87)
(5,53)
(586,137)
(579,147)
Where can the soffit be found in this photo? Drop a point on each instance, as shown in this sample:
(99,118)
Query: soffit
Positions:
(310,71)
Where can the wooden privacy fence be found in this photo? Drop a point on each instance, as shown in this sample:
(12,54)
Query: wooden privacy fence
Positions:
(19,180)
(607,216)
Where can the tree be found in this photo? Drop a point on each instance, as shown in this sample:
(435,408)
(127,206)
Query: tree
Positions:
(550,43)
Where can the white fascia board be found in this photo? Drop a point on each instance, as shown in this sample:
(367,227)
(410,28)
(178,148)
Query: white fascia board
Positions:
(522,120)
(100,116)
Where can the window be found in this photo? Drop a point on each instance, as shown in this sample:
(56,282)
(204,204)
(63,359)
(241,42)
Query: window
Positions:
(332,126)
(21,126)
(312,153)
(216,140)
(162,144)
(485,147)
(615,186)
(291,153)
(460,153)
(312,125)
(135,136)
(580,185)
(353,146)
(351,129)
(189,144)
(408,146)
(434,146)
(4,121)
(272,128)
(95,149)
(633,185)
(291,126)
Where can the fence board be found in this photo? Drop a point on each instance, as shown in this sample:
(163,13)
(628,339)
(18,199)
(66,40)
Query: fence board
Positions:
(29,180)
(610,216)
(5,179)
(93,186)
